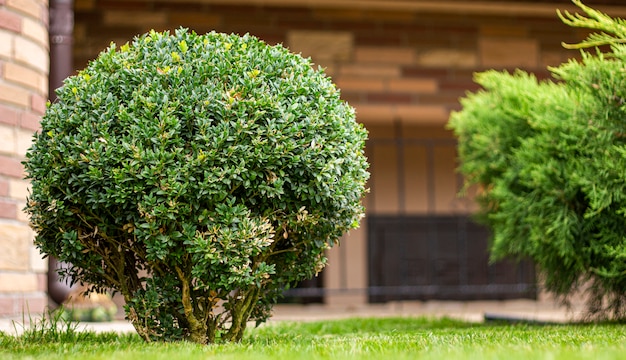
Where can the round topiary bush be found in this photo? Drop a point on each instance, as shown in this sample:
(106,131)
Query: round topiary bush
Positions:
(197,175)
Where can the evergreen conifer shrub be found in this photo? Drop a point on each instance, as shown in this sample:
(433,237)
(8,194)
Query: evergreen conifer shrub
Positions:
(197,175)
(549,158)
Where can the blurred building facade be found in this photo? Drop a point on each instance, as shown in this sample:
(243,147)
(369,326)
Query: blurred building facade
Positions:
(24,64)
(403,64)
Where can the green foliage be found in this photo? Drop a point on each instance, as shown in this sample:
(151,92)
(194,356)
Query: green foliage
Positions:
(197,175)
(612,30)
(550,161)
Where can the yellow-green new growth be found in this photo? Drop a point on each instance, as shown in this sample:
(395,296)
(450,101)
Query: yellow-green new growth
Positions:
(613,30)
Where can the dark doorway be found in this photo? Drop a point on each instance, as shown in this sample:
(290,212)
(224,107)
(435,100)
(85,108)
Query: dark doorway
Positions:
(439,257)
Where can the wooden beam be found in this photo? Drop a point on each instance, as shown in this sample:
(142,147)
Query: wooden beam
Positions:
(507,8)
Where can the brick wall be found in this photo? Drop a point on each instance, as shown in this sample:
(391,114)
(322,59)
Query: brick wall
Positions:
(403,67)
(408,66)
(23,94)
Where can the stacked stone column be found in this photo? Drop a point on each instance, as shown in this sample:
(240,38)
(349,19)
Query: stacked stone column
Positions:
(24,63)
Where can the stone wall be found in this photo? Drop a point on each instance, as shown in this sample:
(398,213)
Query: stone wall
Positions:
(23,93)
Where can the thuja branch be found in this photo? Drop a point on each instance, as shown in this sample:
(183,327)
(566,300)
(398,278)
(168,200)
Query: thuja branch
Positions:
(596,20)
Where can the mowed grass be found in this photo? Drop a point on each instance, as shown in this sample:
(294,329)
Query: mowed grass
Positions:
(370,338)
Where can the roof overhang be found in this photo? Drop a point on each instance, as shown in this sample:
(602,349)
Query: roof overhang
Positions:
(484,7)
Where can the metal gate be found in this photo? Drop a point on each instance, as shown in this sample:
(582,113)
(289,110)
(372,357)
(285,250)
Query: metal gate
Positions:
(443,257)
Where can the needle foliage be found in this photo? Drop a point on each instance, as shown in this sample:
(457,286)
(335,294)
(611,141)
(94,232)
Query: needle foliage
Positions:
(549,158)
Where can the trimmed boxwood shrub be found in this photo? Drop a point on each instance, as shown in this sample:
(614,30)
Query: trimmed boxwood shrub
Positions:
(197,175)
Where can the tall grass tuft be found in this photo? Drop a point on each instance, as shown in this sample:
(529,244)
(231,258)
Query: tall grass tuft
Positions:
(52,326)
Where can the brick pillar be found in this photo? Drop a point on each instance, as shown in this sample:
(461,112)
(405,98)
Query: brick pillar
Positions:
(24,64)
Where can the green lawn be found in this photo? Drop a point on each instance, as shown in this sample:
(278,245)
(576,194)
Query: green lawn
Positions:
(388,338)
